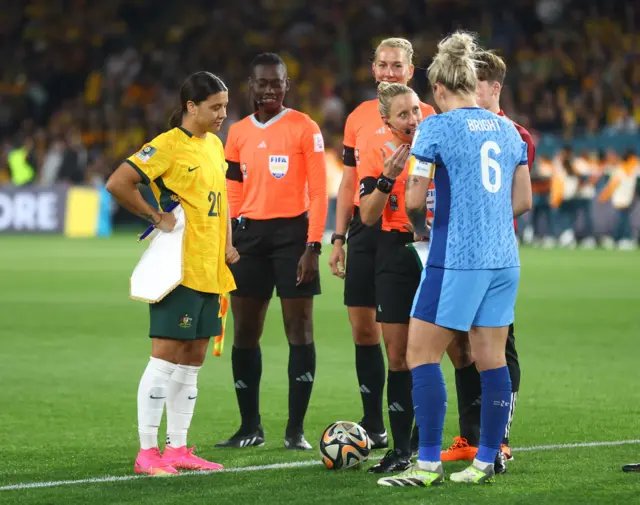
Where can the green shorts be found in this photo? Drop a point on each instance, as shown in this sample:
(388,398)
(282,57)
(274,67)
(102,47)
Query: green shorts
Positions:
(186,314)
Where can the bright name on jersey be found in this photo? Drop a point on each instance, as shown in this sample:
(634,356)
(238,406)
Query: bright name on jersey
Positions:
(483,125)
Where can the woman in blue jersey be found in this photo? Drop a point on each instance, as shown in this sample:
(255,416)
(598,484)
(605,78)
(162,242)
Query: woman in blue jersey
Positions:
(478,163)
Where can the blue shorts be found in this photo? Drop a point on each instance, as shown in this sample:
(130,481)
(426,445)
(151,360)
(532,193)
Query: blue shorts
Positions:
(460,299)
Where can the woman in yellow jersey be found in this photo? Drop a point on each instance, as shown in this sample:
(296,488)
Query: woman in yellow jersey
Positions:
(185,164)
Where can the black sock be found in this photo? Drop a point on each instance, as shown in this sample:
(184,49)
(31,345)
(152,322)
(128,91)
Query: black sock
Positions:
(247,372)
(469,390)
(302,372)
(370,369)
(400,402)
(514,374)
(512,361)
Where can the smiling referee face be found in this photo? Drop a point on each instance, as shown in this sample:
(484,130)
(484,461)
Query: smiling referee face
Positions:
(269,85)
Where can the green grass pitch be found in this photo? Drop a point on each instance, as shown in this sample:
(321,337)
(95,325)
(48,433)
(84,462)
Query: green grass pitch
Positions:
(74,347)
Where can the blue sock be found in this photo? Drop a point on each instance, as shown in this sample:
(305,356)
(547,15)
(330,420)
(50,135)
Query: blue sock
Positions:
(430,406)
(496,398)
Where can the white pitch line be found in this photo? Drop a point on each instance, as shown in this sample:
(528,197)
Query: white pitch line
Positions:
(571,446)
(277,466)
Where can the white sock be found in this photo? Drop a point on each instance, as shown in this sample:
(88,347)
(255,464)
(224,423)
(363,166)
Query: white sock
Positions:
(430,466)
(482,466)
(181,401)
(152,394)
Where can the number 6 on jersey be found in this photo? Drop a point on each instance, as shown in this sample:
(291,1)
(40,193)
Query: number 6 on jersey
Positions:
(487,162)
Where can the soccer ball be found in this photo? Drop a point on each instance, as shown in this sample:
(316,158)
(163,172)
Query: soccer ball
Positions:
(344,445)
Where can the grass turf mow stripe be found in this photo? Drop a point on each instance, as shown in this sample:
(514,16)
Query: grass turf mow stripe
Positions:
(278,466)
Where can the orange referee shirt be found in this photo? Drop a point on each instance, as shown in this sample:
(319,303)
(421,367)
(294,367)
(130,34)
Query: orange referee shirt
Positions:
(283,170)
(363,125)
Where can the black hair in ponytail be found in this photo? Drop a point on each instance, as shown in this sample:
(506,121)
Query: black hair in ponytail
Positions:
(197,88)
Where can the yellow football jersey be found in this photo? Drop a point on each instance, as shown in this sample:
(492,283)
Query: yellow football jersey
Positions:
(179,165)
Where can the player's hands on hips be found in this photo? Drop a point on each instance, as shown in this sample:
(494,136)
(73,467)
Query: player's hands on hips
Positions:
(231,255)
(336,260)
(167,222)
(394,165)
(307,267)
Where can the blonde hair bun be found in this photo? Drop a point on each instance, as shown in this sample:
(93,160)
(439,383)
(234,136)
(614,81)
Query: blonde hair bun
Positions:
(459,45)
(454,65)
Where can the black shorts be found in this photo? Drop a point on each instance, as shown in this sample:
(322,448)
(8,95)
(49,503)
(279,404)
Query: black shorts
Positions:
(398,272)
(359,281)
(269,251)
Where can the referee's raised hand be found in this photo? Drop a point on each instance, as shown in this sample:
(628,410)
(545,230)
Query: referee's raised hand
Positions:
(394,165)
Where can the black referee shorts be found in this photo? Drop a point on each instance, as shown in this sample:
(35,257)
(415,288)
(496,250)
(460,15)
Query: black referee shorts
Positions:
(398,272)
(359,281)
(269,251)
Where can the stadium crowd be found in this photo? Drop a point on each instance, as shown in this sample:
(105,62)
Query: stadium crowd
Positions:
(83,84)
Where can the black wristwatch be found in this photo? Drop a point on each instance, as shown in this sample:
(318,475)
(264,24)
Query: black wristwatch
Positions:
(337,236)
(316,247)
(385,184)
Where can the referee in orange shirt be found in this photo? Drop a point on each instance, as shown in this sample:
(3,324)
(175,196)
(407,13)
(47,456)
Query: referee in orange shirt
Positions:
(383,172)
(277,188)
(392,63)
